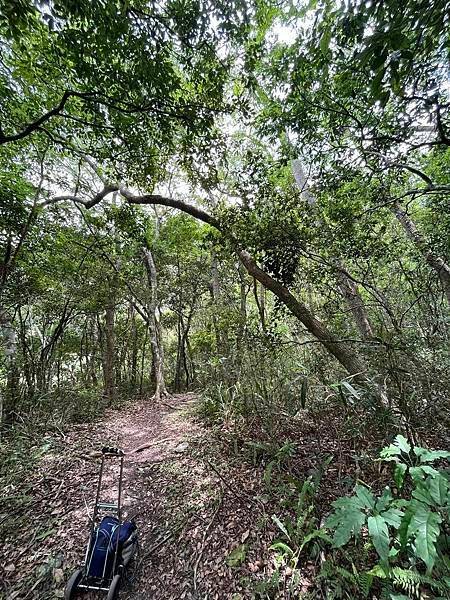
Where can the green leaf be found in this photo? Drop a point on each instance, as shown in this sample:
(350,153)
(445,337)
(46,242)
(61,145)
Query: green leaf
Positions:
(427,456)
(424,527)
(390,452)
(325,40)
(404,527)
(403,444)
(423,495)
(379,571)
(376,82)
(419,473)
(384,500)
(366,496)
(438,488)
(283,547)
(399,475)
(346,523)
(394,450)
(317,534)
(237,556)
(393,517)
(383,97)
(281,526)
(379,533)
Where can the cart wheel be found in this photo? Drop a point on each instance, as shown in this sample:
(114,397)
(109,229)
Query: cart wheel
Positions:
(72,585)
(113,593)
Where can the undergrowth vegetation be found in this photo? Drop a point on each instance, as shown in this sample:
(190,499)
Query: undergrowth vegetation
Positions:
(249,200)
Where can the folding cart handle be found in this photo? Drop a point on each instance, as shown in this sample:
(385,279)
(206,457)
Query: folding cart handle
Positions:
(109,451)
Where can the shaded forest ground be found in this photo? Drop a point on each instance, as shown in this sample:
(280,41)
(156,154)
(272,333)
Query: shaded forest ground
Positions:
(203,500)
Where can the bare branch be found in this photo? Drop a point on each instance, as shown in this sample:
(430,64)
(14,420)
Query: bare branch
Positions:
(108,189)
(399,165)
(164,201)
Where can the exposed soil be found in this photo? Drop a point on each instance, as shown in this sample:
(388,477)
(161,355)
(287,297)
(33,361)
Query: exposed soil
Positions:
(203,507)
(191,510)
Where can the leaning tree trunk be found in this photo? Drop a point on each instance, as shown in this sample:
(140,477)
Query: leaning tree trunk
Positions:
(109,362)
(349,359)
(351,295)
(260,300)
(347,287)
(434,261)
(153,325)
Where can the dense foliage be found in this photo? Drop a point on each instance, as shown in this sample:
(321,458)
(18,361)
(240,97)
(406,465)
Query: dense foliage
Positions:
(249,200)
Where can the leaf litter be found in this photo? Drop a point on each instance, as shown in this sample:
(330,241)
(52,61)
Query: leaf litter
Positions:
(203,510)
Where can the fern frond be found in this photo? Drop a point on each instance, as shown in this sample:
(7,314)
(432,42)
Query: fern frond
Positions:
(410,582)
(365,583)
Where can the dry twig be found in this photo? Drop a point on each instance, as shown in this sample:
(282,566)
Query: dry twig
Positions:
(205,535)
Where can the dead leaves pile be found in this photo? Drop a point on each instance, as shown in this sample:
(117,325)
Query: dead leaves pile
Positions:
(41,515)
(203,510)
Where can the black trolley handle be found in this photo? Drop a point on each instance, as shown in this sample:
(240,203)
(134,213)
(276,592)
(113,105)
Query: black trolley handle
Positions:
(116,452)
(110,451)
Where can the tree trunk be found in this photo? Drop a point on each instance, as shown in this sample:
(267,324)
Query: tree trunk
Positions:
(8,336)
(243,289)
(182,366)
(434,261)
(178,364)
(142,367)
(347,287)
(110,354)
(215,297)
(260,303)
(153,325)
(181,369)
(49,345)
(27,357)
(354,364)
(350,293)
(134,349)
(92,352)
(348,358)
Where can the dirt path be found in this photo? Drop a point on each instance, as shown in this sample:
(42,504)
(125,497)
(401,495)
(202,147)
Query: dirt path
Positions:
(183,495)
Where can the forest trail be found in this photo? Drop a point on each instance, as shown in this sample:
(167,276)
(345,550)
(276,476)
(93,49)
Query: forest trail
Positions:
(182,491)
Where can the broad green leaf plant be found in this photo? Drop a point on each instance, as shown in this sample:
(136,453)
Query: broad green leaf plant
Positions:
(407,523)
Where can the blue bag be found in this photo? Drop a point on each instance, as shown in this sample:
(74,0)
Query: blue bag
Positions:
(103,546)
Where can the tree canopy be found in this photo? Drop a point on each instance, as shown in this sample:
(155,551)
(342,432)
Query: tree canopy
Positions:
(245,198)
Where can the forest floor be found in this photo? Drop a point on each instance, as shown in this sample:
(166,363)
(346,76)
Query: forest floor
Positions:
(203,507)
(191,505)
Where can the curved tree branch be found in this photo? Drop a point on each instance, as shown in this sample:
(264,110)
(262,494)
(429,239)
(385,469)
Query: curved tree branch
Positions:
(354,364)
(164,201)
(108,189)
(400,165)
(35,125)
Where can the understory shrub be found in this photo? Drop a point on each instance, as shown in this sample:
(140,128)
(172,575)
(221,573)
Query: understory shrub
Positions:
(407,525)
(387,546)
